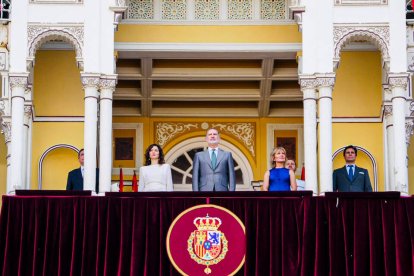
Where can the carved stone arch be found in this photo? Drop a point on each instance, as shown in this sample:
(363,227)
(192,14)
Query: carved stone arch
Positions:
(377,35)
(37,35)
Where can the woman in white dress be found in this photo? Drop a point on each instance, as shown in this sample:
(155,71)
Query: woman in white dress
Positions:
(155,176)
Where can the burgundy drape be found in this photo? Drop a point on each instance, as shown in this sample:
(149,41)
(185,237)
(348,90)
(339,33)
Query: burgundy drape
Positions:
(299,235)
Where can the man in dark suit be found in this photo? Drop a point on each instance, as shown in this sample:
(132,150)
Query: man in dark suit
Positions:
(75,177)
(213,169)
(351,178)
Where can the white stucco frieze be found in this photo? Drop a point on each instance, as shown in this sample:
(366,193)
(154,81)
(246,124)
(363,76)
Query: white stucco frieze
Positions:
(90,81)
(398,81)
(409,130)
(18,81)
(378,35)
(165,132)
(6,130)
(245,132)
(39,34)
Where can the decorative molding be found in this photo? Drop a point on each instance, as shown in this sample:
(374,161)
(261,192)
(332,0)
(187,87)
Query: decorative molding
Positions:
(273,10)
(140,9)
(165,132)
(174,9)
(240,9)
(325,81)
(378,35)
(409,130)
(308,82)
(244,132)
(18,81)
(108,83)
(90,81)
(6,130)
(39,34)
(28,112)
(398,81)
(4,34)
(207,9)
(387,110)
(5,109)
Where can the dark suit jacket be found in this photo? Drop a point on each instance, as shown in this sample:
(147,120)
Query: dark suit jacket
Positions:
(75,180)
(222,178)
(360,182)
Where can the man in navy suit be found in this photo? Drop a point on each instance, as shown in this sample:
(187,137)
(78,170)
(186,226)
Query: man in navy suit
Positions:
(213,169)
(75,177)
(351,178)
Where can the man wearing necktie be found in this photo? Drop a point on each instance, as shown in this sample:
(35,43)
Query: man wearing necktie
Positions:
(351,178)
(213,169)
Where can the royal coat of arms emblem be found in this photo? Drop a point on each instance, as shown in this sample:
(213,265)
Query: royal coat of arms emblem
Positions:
(207,245)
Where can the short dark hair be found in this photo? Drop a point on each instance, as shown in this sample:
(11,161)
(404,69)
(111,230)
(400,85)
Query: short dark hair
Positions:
(79,152)
(147,155)
(351,147)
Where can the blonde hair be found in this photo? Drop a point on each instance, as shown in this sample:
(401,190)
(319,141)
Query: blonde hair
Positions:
(274,151)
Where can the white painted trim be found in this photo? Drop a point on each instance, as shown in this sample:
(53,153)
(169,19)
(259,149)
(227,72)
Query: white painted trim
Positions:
(356,120)
(139,145)
(209,47)
(210,22)
(239,157)
(270,131)
(59,119)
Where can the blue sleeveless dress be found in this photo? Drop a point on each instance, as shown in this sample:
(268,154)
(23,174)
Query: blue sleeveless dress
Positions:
(279,179)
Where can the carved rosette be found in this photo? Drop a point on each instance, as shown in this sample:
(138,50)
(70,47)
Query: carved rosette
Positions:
(18,81)
(165,132)
(39,34)
(378,35)
(6,130)
(409,130)
(89,81)
(401,82)
(245,132)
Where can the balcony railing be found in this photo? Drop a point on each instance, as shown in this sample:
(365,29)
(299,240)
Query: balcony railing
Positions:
(5,10)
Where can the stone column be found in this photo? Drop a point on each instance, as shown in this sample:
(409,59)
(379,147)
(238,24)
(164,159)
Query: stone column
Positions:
(308,86)
(6,130)
(390,182)
(398,85)
(90,84)
(26,142)
(18,84)
(107,87)
(325,86)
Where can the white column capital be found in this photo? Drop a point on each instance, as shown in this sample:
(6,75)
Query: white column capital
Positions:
(398,80)
(90,80)
(387,110)
(28,112)
(108,82)
(325,80)
(307,82)
(18,80)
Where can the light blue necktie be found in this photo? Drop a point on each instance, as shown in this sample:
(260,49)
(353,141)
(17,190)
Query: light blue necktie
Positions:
(213,159)
(351,172)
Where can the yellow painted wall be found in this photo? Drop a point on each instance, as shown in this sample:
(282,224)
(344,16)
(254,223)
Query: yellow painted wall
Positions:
(57,163)
(411,166)
(208,34)
(358,82)
(57,89)
(366,135)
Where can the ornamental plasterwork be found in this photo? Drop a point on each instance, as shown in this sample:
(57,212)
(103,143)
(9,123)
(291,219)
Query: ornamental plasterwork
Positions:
(245,132)
(3,35)
(4,107)
(39,34)
(308,83)
(325,81)
(240,9)
(165,132)
(107,83)
(360,2)
(90,81)
(409,130)
(18,82)
(378,35)
(398,82)
(174,9)
(3,61)
(121,3)
(207,9)
(273,9)
(28,112)
(6,130)
(388,110)
(140,9)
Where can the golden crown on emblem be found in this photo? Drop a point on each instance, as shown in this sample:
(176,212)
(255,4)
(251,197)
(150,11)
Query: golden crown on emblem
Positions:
(207,223)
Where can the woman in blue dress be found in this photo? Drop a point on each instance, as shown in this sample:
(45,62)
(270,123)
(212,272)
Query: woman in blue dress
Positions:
(278,178)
